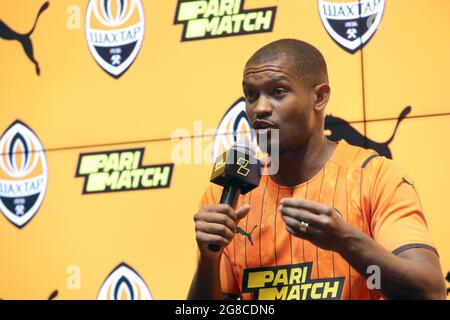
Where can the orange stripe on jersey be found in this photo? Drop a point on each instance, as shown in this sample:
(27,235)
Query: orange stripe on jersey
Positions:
(326,195)
(283,240)
(267,225)
(298,244)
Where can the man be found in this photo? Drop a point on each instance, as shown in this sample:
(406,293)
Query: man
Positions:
(330,214)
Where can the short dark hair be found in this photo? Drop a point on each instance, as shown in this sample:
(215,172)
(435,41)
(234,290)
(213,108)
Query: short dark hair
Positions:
(309,62)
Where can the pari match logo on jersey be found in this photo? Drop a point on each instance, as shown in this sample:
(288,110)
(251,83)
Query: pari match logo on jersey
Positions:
(351,23)
(121,170)
(290,282)
(234,127)
(23,174)
(206,19)
(114,32)
(123,283)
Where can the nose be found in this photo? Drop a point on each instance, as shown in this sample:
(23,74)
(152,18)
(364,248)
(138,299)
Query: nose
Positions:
(263,108)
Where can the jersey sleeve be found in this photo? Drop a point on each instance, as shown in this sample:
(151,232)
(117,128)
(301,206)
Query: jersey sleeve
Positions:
(228,282)
(397,219)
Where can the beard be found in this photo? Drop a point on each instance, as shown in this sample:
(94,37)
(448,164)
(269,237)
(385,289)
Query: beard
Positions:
(296,134)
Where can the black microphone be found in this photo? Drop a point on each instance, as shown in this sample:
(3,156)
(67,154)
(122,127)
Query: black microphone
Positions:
(239,172)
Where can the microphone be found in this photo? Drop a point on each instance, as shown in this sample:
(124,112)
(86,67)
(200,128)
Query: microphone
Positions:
(238,172)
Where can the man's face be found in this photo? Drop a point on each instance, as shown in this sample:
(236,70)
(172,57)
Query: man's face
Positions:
(276,98)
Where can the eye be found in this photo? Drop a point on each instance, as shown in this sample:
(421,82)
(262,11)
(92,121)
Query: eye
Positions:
(251,96)
(279,92)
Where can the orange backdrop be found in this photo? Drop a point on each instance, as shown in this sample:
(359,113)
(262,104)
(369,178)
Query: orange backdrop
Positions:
(75,240)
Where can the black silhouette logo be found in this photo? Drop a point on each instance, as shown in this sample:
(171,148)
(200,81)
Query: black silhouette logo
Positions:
(52,296)
(341,129)
(246,234)
(9,34)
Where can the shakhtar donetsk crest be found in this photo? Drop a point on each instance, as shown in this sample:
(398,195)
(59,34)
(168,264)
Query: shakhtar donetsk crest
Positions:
(114,31)
(233,127)
(351,23)
(124,284)
(23,174)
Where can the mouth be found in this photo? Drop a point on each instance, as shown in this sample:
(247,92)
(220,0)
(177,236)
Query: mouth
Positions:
(264,130)
(263,125)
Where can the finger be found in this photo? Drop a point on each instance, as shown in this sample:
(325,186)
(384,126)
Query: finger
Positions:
(298,228)
(314,207)
(302,215)
(214,228)
(338,214)
(242,211)
(208,238)
(214,217)
(298,234)
(294,232)
(220,208)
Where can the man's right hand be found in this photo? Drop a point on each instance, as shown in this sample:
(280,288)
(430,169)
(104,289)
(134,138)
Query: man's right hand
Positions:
(217,224)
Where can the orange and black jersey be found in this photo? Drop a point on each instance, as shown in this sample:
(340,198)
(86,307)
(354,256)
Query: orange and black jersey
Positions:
(372,193)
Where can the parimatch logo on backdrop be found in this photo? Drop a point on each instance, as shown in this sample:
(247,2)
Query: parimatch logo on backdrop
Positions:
(121,170)
(205,19)
(23,174)
(351,23)
(123,283)
(115,31)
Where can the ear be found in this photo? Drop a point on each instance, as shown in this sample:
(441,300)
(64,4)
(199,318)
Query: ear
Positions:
(321,96)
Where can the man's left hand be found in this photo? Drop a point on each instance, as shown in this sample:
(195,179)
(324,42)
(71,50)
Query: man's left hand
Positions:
(315,222)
